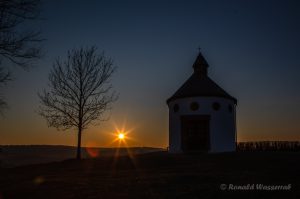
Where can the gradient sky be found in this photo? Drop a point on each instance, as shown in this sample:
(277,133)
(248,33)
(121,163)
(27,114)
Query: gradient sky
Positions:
(252,47)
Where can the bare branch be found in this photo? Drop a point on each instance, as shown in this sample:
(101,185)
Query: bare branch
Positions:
(18,46)
(79,90)
(4,78)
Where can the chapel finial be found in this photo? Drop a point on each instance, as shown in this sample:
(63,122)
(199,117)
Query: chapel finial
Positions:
(200,65)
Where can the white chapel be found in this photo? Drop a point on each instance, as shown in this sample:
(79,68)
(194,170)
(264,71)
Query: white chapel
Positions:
(202,116)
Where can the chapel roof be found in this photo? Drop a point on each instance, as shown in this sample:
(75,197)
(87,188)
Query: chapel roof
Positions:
(199,84)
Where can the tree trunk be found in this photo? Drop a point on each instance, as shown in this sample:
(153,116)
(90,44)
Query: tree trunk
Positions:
(78,156)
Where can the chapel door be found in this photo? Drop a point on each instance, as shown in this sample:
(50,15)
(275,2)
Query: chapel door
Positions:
(195,133)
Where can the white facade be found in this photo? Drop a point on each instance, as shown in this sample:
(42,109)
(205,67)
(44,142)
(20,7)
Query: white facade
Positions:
(222,127)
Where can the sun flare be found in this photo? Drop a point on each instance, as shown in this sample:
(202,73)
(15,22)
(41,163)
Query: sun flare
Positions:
(121,136)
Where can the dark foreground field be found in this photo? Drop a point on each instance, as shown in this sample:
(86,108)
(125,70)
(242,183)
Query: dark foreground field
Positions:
(156,175)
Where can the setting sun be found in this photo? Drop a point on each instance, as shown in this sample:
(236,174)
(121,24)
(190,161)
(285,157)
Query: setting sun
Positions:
(121,136)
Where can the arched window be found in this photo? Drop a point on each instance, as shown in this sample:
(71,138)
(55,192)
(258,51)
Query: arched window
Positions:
(230,108)
(194,106)
(176,108)
(216,106)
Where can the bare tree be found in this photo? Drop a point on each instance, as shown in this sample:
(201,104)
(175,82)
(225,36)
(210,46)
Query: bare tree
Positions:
(80,91)
(4,78)
(17,45)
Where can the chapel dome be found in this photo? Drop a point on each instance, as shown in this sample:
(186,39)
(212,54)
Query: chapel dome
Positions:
(199,84)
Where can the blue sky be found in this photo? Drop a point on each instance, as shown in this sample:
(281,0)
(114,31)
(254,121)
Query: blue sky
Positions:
(252,47)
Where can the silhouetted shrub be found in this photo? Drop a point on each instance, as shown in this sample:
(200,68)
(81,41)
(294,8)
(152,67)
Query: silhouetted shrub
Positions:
(269,146)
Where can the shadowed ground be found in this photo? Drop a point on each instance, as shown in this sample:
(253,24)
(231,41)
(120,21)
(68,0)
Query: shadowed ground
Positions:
(20,155)
(156,175)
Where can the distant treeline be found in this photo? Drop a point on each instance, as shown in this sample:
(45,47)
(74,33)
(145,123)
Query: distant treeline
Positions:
(269,146)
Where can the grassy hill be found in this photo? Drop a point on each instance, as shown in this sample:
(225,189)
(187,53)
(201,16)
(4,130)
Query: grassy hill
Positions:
(157,175)
(18,155)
